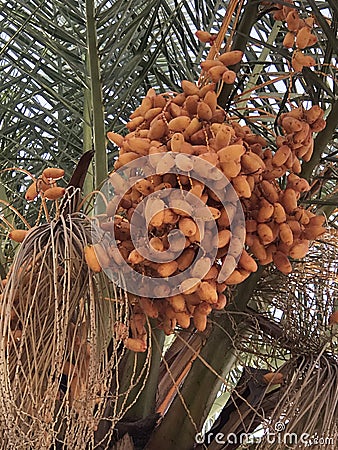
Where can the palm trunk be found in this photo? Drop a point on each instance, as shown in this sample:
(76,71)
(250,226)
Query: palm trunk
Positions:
(187,413)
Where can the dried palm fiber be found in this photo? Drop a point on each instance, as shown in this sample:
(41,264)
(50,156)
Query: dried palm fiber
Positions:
(295,327)
(57,375)
(308,403)
(301,303)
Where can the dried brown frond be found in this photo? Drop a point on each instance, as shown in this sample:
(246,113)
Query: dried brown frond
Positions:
(60,354)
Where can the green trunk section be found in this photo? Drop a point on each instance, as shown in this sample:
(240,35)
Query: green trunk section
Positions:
(202,385)
(101,167)
(145,403)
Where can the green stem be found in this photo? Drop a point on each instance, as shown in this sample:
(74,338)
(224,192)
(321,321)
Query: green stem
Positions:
(3,196)
(256,73)
(328,208)
(11,218)
(87,140)
(101,165)
(239,43)
(202,385)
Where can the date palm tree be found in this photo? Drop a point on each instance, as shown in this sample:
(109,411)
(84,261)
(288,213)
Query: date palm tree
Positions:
(71,72)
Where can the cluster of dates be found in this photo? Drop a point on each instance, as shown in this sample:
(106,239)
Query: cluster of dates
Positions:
(168,128)
(299,35)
